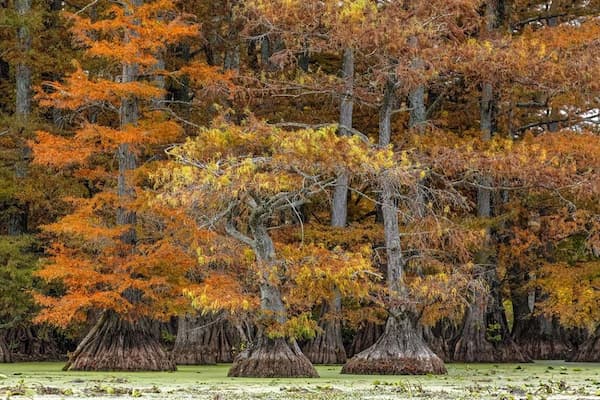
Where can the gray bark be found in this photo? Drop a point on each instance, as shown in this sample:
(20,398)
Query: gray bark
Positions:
(115,344)
(23,71)
(231,61)
(126,158)
(159,79)
(385,122)
(416,122)
(418,113)
(17,223)
(395,260)
(387,107)
(270,296)
(485,307)
(268,47)
(268,357)
(231,58)
(416,98)
(495,14)
(339,207)
(304,58)
(401,349)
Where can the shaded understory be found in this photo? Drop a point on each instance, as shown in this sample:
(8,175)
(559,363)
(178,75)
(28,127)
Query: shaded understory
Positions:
(548,379)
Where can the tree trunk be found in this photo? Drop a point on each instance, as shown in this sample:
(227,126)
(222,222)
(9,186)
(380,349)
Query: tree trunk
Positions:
(17,223)
(416,97)
(35,343)
(399,351)
(485,336)
(385,121)
(366,337)
(487,117)
(387,107)
(5,356)
(542,338)
(270,357)
(438,338)
(231,58)
(339,206)
(23,70)
(115,344)
(328,347)
(472,345)
(589,351)
(538,336)
(418,114)
(205,340)
(416,122)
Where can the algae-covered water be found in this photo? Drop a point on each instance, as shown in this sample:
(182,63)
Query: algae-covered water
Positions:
(540,380)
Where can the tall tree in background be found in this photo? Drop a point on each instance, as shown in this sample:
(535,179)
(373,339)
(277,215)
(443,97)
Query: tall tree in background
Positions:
(401,349)
(486,306)
(97,253)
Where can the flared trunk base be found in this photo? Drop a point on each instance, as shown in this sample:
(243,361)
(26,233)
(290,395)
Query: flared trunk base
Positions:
(545,349)
(476,349)
(5,356)
(36,343)
(115,344)
(401,350)
(365,337)
(588,351)
(327,347)
(273,358)
(205,340)
(473,344)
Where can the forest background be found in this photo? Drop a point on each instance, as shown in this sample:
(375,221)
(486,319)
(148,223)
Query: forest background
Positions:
(382,184)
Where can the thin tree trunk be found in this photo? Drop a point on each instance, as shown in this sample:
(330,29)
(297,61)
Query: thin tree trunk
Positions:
(485,336)
(416,97)
(339,217)
(416,100)
(416,122)
(487,117)
(339,207)
(5,356)
(23,70)
(17,223)
(231,58)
